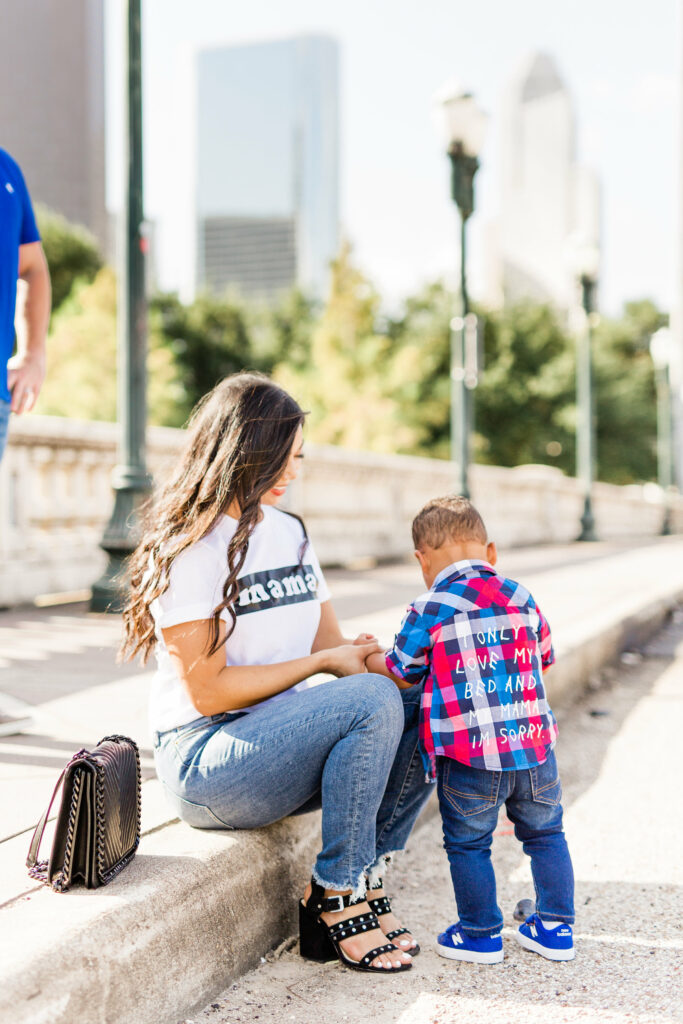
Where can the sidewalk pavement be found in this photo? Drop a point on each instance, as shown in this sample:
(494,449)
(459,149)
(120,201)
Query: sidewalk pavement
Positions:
(220,900)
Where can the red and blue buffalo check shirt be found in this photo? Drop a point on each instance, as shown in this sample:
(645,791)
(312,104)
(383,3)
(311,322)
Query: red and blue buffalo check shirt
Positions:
(481,643)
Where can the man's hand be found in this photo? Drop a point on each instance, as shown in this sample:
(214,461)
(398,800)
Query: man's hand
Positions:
(25,376)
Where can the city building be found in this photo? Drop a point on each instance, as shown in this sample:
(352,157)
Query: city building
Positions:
(550,205)
(52,104)
(266,174)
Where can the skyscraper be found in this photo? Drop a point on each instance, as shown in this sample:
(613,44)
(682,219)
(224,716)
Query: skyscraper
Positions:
(52,103)
(267,165)
(550,205)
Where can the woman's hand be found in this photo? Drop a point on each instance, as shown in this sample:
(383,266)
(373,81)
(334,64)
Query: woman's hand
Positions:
(348,659)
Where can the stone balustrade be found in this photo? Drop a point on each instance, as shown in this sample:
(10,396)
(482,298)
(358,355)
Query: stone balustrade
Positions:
(56,497)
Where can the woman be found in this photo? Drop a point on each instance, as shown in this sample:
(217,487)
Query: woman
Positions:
(226,588)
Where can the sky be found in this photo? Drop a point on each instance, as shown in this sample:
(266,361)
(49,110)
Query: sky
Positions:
(619,61)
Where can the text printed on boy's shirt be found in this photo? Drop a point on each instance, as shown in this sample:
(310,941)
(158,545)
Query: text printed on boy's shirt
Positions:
(480,643)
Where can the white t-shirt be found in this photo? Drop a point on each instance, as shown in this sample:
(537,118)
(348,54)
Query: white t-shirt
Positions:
(278,610)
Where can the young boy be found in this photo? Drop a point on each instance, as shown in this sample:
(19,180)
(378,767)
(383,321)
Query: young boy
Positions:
(487,732)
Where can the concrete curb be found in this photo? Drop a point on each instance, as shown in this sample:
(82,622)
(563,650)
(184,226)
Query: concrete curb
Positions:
(197,909)
(579,665)
(193,911)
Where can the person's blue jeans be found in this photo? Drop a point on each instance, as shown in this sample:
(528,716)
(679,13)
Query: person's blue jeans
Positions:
(4,424)
(349,745)
(469,799)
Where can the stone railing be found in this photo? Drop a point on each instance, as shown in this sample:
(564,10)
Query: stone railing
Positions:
(56,497)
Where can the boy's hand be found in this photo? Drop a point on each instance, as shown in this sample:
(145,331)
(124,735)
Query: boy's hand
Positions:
(348,659)
(365,638)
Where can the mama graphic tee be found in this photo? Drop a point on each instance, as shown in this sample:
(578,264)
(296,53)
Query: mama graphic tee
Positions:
(278,610)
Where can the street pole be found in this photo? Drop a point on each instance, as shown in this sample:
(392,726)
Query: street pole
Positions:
(129,480)
(460,413)
(584,399)
(464,168)
(664,442)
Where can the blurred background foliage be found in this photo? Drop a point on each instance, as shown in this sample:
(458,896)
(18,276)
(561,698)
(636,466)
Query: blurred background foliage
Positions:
(367,380)
(72,253)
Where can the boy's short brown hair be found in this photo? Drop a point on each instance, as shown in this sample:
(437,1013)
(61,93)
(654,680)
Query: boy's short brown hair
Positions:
(452,518)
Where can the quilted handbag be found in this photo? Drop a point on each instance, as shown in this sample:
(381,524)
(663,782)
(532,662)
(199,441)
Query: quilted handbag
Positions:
(98,825)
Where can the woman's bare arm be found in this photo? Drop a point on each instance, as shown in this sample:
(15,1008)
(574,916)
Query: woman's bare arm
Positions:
(215,687)
(329,632)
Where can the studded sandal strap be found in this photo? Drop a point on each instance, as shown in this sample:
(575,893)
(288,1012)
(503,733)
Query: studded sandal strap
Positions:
(330,904)
(377,951)
(381,905)
(398,931)
(352,926)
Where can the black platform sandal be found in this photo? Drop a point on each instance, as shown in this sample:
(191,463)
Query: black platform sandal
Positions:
(321,942)
(382,905)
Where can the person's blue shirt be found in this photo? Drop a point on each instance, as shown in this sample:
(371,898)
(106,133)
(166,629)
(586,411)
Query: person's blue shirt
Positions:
(17,227)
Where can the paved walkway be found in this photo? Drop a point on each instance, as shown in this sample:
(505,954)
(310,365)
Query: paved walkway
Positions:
(598,598)
(619,757)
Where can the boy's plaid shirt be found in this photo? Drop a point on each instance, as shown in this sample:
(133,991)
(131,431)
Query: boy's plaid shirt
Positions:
(481,643)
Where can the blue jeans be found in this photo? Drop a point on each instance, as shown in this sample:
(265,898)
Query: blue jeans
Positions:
(469,799)
(350,746)
(4,424)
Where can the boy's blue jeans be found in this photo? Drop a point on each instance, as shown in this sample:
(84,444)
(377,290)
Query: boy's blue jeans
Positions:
(469,799)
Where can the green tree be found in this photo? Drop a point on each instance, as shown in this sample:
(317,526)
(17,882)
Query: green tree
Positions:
(525,403)
(208,340)
(346,383)
(71,251)
(524,390)
(625,397)
(81,377)
(283,332)
(420,372)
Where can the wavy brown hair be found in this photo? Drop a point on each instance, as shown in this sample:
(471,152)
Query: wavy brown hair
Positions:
(240,437)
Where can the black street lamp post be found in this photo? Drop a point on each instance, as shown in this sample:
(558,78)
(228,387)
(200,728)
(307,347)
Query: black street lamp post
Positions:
(585,427)
(464,125)
(130,480)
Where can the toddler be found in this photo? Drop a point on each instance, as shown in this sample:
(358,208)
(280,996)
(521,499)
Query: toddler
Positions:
(481,644)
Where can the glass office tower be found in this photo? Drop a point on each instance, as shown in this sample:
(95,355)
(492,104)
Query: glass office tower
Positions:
(267,179)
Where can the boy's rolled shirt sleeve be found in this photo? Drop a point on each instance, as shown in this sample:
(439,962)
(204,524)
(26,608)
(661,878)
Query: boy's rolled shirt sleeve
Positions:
(408,659)
(545,640)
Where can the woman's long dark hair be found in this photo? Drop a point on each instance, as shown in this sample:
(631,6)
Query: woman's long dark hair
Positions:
(240,438)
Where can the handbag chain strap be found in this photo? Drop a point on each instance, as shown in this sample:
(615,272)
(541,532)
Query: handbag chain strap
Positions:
(39,870)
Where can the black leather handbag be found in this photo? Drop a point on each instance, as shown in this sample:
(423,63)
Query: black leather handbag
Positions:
(98,825)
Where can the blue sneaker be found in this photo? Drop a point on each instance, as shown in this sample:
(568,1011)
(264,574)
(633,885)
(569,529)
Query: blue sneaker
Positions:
(552,943)
(455,945)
